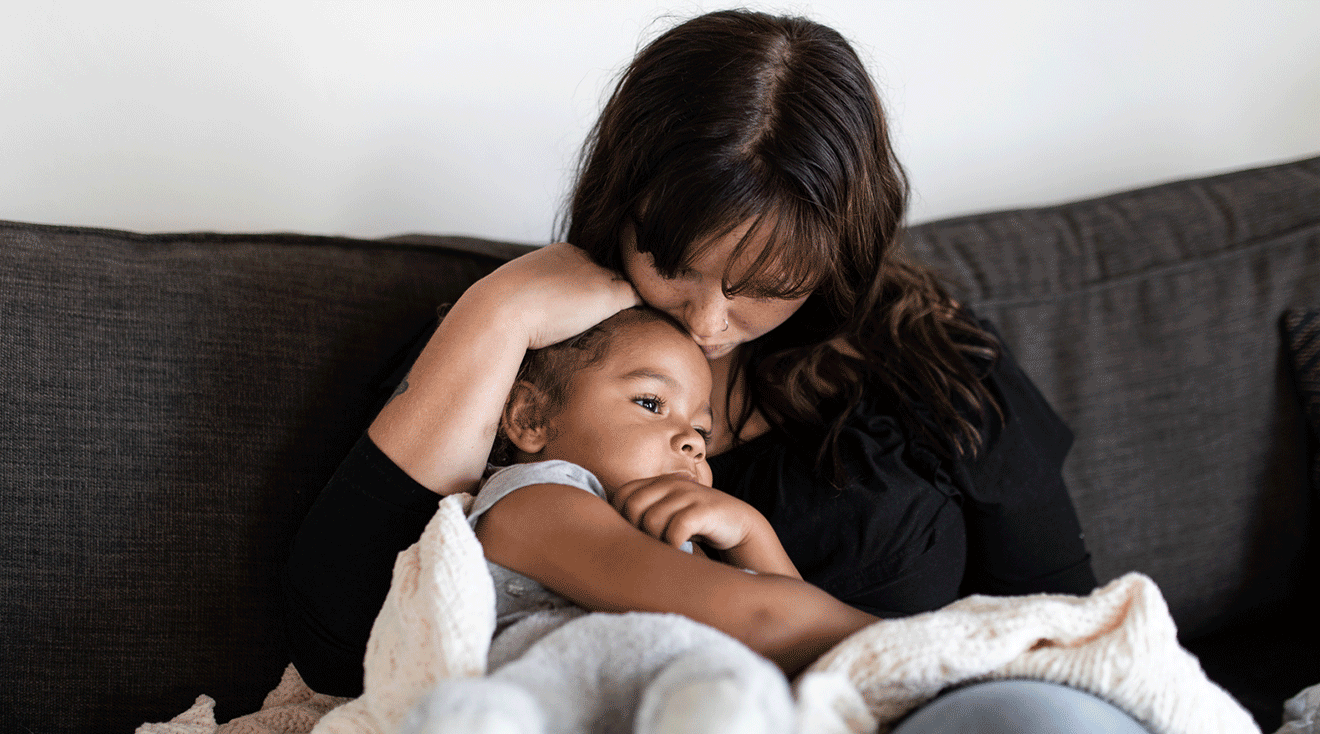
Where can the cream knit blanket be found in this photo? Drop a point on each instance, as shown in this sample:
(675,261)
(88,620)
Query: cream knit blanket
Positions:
(1118,643)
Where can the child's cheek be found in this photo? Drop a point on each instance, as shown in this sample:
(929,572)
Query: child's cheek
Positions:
(704,475)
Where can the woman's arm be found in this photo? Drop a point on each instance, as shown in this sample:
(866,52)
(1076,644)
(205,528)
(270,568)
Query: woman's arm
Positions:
(339,567)
(440,426)
(431,438)
(579,546)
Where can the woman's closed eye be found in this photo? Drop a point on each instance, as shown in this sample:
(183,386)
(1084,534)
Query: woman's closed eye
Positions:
(682,272)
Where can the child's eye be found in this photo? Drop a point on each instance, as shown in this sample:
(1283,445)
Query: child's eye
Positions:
(652,403)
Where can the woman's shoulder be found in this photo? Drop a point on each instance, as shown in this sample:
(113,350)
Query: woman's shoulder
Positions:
(1022,403)
(1024,440)
(1019,431)
(1018,404)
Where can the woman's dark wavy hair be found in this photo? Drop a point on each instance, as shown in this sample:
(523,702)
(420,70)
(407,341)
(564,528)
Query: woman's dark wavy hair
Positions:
(736,116)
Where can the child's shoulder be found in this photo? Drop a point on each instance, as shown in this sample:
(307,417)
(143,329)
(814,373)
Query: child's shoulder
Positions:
(508,479)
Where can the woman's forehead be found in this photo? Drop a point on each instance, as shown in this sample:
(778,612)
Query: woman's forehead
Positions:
(718,247)
(715,251)
(758,255)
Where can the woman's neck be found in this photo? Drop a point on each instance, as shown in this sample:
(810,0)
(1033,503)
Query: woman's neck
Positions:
(725,401)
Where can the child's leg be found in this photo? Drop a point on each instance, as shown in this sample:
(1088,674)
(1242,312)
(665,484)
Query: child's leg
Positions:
(589,674)
(593,673)
(722,687)
(475,706)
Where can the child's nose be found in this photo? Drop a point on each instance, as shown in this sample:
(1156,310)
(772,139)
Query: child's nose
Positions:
(692,444)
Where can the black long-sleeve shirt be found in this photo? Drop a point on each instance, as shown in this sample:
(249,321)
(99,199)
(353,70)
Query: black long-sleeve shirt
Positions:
(910,532)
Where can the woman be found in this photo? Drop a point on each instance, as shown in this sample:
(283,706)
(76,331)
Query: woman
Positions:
(741,179)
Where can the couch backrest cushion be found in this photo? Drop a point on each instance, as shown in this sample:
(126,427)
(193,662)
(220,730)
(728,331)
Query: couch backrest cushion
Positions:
(1301,339)
(170,406)
(1150,319)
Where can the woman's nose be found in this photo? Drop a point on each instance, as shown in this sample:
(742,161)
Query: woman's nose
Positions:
(708,316)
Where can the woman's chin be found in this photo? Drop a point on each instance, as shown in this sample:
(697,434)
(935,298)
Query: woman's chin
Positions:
(715,351)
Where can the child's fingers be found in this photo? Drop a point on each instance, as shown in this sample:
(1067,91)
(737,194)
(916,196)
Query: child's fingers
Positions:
(633,498)
(673,510)
(704,521)
(684,524)
(658,519)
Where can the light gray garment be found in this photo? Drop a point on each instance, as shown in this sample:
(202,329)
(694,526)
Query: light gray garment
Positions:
(517,596)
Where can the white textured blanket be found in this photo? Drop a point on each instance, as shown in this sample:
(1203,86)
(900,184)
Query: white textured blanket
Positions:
(1118,643)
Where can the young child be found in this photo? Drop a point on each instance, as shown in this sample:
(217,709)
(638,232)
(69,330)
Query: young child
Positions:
(608,488)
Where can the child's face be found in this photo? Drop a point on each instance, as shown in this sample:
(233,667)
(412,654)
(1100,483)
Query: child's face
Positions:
(641,411)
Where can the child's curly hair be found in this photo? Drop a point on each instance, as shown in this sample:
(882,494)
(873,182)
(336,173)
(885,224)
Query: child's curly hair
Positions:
(550,370)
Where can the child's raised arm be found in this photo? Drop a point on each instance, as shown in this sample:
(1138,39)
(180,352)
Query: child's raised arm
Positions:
(577,545)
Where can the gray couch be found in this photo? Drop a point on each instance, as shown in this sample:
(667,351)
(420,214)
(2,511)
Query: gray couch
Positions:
(171,404)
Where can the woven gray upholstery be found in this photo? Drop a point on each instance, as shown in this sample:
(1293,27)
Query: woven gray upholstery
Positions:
(1150,320)
(1301,337)
(170,407)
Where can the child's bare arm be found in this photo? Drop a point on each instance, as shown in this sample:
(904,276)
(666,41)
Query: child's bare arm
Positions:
(579,546)
(675,510)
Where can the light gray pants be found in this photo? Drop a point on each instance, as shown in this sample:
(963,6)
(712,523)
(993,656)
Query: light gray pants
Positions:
(1018,707)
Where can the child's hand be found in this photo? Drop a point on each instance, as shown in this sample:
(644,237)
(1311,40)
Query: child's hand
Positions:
(674,509)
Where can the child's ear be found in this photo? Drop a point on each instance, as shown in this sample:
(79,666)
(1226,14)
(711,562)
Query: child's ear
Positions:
(524,420)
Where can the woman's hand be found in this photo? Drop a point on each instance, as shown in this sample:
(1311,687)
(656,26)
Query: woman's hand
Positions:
(674,509)
(556,292)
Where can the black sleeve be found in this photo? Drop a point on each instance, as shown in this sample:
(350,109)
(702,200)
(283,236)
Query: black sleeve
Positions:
(1023,535)
(342,561)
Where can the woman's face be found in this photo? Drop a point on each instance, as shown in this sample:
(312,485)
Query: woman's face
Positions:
(696,296)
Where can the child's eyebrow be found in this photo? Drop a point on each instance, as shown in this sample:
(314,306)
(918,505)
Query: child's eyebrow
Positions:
(646,373)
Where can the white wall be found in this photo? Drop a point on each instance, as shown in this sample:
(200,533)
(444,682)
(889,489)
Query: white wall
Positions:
(376,118)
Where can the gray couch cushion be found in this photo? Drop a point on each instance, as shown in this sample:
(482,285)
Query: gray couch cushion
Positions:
(1149,319)
(1301,336)
(170,405)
